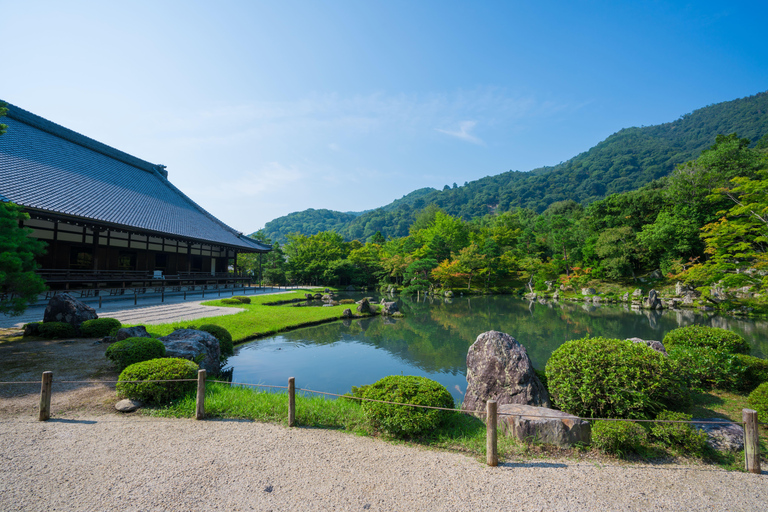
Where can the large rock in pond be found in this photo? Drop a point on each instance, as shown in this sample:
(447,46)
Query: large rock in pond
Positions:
(498,368)
(389,308)
(198,346)
(63,307)
(722,435)
(543,425)
(364,306)
(132,332)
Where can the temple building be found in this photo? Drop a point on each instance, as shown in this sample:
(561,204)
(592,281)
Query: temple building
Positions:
(110,220)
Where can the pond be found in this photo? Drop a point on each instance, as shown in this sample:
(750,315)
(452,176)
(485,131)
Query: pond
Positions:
(433,338)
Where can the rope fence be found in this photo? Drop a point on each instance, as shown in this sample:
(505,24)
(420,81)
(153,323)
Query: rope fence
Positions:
(750,419)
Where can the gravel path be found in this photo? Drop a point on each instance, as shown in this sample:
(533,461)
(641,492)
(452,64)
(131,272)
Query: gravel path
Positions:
(134,463)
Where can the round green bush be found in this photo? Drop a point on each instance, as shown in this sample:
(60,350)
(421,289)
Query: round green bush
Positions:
(244,300)
(680,436)
(697,336)
(56,330)
(347,301)
(705,368)
(618,437)
(221,334)
(611,378)
(403,421)
(134,350)
(234,302)
(99,327)
(169,368)
(755,371)
(758,400)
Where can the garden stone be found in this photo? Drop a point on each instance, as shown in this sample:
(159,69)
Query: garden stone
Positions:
(498,368)
(588,291)
(132,332)
(531,296)
(350,288)
(637,293)
(543,425)
(63,307)
(388,308)
(108,339)
(347,313)
(653,344)
(656,274)
(309,296)
(318,296)
(625,297)
(128,405)
(448,294)
(364,306)
(722,436)
(32,329)
(198,346)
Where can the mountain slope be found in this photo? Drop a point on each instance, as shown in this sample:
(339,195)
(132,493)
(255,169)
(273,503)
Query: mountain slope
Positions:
(624,161)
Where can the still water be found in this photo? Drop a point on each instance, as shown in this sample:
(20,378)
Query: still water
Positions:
(433,338)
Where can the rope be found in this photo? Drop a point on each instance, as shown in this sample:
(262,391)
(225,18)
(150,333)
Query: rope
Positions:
(246,384)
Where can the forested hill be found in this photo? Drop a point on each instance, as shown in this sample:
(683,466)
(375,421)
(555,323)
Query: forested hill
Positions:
(624,161)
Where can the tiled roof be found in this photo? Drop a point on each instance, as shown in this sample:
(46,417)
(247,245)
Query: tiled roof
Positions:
(48,167)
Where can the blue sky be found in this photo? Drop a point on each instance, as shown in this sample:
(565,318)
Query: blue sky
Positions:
(260,109)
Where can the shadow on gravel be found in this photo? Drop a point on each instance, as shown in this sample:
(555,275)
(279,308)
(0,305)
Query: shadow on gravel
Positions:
(541,465)
(62,420)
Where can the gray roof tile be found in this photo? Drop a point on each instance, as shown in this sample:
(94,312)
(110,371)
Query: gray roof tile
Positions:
(49,167)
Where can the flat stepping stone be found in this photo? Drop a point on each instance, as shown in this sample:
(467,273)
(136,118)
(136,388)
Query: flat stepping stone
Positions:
(128,405)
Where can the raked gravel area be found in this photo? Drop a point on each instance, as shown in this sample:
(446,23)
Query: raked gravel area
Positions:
(136,463)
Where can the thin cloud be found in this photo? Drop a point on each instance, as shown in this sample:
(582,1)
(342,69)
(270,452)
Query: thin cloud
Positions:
(463,133)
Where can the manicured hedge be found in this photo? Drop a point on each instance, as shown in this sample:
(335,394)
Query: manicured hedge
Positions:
(169,368)
(682,437)
(611,378)
(618,437)
(134,350)
(705,368)
(231,302)
(758,400)
(403,421)
(755,371)
(56,330)
(244,300)
(697,336)
(221,334)
(99,327)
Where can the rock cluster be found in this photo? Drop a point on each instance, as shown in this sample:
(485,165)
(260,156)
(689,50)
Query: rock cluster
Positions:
(198,346)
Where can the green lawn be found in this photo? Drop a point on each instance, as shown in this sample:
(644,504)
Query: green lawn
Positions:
(259,319)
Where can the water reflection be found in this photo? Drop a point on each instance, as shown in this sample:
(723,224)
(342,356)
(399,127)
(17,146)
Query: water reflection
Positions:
(433,338)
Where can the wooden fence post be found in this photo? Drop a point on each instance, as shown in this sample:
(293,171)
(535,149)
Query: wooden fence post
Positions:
(291,402)
(751,441)
(45,396)
(200,404)
(491,453)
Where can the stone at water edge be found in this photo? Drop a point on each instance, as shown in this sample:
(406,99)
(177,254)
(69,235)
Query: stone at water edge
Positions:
(498,368)
(364,306)
(541,424)
(588,291)
(389,308)
(132,332)
(653,344)
(198,346)
(637,293)
(63,307)
(128,405)
(347,313)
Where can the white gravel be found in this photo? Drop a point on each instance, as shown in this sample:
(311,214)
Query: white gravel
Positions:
(135,463)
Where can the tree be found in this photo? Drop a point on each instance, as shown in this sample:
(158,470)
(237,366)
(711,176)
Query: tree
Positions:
(19,285)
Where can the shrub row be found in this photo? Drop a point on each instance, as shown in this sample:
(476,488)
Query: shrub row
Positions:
(96,328)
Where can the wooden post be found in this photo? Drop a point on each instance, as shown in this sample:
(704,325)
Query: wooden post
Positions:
(291,402)
(200,407)
(751,441)
(135,296)
(491,453)
(185,294)
(45,396)
(99,301)
(162,294)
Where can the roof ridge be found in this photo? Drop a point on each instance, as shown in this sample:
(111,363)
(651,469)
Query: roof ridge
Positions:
(28,118)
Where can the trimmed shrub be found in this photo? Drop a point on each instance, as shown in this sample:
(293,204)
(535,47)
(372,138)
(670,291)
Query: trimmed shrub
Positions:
(755,371)
(221,334)
(347,301)
(604,377)
(705,368)
(32,329)
(680,436)
(758,400)
(169,368)
(697,336)
(244,300)
(403,421)
(618,437)
(99,327)
(134,350)
(56,330)
(232,302)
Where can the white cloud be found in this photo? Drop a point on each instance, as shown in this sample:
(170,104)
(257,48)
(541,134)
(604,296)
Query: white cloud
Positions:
(463,132)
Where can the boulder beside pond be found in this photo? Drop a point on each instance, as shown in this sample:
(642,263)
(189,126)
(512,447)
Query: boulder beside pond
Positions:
(364,306)
(198,346)
(389,308)
(63,307)
(543,425)
(498,368)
